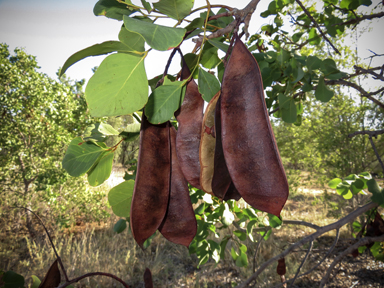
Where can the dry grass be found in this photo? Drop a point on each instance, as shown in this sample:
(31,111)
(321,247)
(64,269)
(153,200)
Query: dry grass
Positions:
(95,247)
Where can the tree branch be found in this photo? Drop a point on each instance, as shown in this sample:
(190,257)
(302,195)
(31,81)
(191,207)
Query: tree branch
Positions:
(350,217)
(376,152)
(302,264)
(358,88)
(317,26)
(359,19)
(366,132)
(370,71)
(93,274)
(361,242)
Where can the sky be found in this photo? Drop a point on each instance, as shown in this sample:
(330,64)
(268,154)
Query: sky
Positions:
(53,30)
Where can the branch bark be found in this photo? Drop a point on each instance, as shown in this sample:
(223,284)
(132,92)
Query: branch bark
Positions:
(361,242)
(343,221)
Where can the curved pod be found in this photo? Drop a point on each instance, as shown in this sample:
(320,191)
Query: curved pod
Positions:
(207,146)
(179,225)
(249,145)
(151,191)
(190,118)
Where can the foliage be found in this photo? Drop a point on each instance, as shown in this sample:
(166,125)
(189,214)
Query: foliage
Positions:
(39,117)
(293,76)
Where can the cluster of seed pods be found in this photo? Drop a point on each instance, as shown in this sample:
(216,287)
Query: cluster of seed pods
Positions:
(229,151)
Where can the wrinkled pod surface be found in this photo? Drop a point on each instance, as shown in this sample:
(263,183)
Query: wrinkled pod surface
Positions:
(151,191)
(179,225)
(190,118)
(249,146)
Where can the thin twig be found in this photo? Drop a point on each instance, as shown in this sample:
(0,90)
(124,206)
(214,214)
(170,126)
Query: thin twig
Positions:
(302,263)
(361,242)
(160,82)
(370,71)
(376,152)
(50,240)
(75,280)
(256,252)
(366,132)
(350,217)
(359,19)
(317,26)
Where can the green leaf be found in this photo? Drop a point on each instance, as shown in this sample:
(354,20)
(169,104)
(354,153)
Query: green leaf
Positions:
(203,260)
(241,235)
(134,41)
(176,9)
(365,175)
(296,37)
(146,5)
(288,108)
(129,136)
(95,50)
(242,260)
(343,190)
(328,66)
(81,156)
(106,129)
(120,198)
(159,37)
(323,93)
(35,282)
(223,246)
(274,221)
(377,192)
(191,60)
(314,39)
(118,87)
(209,58)
(208,85)
(196,23)
(13,280)
(120,226)
(266,234)
(334,182)
(164,101)
(101,170)
(220,45)
(92,133)
(313,63)
(234,254)
(112,9)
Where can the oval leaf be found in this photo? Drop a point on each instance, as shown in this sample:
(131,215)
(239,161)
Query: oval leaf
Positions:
(176,9)
(159,37)
(120,197)
(120,226)
(81,156)
(101,170)
(323,93)
(208,85)
(163,102)
(118,87)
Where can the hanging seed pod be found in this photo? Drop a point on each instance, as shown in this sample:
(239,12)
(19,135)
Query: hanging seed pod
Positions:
(222,185)
(179,225)
(249,145)
(148,283)
(281,269)
(151,191)
(207,146)
(52,278)
(190,118)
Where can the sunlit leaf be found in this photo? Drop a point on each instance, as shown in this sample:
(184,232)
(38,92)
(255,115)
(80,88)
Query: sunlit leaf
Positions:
(176,9)
(81,156)
(120,198)
(159,37)
(112,9)
(118,87)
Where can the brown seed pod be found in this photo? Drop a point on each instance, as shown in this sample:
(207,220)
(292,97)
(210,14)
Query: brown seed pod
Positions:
(222,185)
(179,225)
(190,118)
(281,269)
(148,283)
(52,278)
(249,145)
(151,191)
(207,146)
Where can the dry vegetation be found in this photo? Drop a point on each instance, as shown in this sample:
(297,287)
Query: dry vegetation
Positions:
(95,247)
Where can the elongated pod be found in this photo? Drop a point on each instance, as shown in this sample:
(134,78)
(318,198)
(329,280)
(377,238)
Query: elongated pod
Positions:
(179,225)
(151,191)
(207,146)
(190,118)
(222,185)
(249,145)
